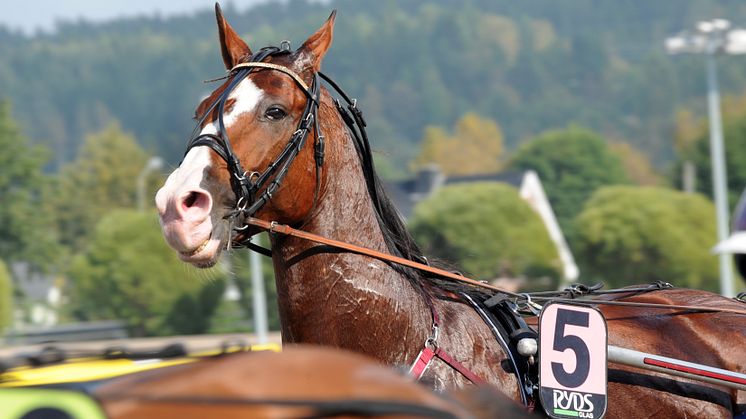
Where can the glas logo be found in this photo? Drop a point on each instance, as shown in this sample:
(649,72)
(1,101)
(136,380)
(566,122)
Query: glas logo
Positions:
(572,403)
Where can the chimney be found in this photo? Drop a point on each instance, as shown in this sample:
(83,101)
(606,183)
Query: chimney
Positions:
(429,179)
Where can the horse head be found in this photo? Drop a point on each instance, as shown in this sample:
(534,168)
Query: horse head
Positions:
(256,150)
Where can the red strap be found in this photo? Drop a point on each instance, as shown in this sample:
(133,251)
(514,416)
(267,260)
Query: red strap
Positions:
(421,363)
(458,367)
(426,356)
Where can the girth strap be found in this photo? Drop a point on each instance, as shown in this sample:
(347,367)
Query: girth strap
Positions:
(508,327)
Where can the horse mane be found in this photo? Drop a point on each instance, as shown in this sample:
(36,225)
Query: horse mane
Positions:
(398,239)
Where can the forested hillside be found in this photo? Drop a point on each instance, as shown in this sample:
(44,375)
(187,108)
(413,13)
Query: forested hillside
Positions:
(529,65)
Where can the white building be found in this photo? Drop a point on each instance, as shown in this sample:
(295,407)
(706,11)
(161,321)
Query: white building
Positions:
(406,194)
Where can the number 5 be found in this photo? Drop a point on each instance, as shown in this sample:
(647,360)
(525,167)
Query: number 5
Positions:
(563,342)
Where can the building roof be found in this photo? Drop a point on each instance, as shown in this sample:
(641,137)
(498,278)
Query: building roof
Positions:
(32,285)
(407,193)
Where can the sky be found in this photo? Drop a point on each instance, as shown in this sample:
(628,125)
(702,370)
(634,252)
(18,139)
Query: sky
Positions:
(32,15)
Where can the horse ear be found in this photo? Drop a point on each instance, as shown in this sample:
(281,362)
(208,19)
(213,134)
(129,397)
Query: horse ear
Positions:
(317,44)
(232,46)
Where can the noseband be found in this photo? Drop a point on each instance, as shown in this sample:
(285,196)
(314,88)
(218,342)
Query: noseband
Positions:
(247,184)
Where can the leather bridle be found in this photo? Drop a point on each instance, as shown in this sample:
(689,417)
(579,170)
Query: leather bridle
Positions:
(246,185)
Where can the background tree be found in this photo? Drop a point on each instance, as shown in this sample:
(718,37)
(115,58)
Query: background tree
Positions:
(630,235)
(413,64)
(6,298)
(571,163)
(475,147)
(102,178)
(128,272)
(636,165)
(688,129)
(734,133)
(488,230)
(26,233)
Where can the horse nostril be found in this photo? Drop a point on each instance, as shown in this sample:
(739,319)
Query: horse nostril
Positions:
(191,199)
(195,204)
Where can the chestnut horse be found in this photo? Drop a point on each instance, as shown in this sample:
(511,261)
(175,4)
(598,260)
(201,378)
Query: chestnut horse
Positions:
(250,157)
(314,382)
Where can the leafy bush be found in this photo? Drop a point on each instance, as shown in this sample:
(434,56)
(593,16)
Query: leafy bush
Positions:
(487,229)
(127,272)
(6,298)
(26,233)
(734,137)
(571,163)
(476,147)
(101,178)
(630,235)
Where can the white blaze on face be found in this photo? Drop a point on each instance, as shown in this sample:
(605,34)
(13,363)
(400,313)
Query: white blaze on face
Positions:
(190,173)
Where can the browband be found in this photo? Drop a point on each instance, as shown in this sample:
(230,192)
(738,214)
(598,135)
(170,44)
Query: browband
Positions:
(279,68)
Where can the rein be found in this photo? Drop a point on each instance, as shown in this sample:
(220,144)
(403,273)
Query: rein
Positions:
(275,228)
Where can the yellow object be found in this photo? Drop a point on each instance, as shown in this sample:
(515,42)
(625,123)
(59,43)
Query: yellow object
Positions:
(274,347)
(83,370)
(17,403)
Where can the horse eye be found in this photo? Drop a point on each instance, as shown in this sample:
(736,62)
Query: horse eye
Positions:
(274,113)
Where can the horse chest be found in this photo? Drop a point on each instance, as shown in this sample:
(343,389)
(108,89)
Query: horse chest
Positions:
(339,305)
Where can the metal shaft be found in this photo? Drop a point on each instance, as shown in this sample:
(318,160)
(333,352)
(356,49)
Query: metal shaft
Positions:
(718,172)
(677,367)
(259,296)
(141,190)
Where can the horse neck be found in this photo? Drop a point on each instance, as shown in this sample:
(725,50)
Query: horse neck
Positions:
(344,299)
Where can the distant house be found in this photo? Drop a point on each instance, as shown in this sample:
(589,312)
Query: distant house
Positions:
(406,194)
(36,317)
(736,243)
(40,297)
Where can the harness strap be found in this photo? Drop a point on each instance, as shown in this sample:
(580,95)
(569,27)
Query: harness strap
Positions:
(440,353)
(503,331)
(257,248)
(421,363)
(432,350)
(696,308)
(580,290)
(426,356)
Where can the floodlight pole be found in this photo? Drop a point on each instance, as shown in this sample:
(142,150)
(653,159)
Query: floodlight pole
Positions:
(717,151)
(711,38)
(259,296)
(154,163)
